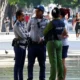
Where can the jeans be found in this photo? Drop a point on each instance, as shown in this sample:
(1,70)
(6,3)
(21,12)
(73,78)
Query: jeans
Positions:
(19,62)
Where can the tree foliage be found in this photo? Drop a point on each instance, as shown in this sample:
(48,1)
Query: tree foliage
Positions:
(13,2)
(66,3)
(24,2)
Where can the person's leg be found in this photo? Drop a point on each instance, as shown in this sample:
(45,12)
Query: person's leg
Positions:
(64,56)
(22,60)
(52,58)
(31,61)
(64,68)
(8,30)
(59,61)
(41,54)
(17,62)
(77,35)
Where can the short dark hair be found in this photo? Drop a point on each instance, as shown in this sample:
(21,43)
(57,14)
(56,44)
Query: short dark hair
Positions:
(55,12)
(18,13)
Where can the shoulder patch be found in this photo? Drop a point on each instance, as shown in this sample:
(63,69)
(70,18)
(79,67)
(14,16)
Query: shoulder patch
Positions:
(45,19)
(17,23)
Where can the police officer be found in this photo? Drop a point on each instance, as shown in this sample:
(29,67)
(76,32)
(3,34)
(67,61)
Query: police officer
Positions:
(37,48)
(19,45)
(54,32)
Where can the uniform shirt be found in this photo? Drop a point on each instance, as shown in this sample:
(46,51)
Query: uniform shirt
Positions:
(34,31)
(65,41)
(20,32)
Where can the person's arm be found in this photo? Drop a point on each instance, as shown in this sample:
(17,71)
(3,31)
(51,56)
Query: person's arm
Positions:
(65,33)
(21,33)
(48,28)
(29,26)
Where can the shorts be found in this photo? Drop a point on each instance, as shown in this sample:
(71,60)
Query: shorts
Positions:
(64,51)
(77,31)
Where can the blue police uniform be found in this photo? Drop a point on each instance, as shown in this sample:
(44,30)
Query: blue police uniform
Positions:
(19,50)
(36,49)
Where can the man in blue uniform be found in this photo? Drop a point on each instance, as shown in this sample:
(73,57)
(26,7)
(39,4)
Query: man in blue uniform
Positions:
(19,45)
(37,48)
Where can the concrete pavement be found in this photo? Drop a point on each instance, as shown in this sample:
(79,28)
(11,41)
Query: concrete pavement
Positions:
(7,63)
(7,60)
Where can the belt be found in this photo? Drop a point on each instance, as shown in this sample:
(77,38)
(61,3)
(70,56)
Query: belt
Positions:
(22,44)
(19,44)
(36,43)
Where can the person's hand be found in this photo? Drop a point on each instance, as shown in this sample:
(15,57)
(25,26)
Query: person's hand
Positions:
(66,36)
(41,40)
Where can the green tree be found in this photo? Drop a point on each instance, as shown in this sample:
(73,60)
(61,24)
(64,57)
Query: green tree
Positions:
(24,2)
(13,2)
(67,3)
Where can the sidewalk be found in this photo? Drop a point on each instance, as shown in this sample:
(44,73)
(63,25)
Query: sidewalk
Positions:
(7,60)
(7,64)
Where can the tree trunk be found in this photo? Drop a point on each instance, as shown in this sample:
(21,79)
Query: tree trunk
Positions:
(10,10)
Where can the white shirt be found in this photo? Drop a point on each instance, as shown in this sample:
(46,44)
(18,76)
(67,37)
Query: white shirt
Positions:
(20,32)
(65,41)
(35,32)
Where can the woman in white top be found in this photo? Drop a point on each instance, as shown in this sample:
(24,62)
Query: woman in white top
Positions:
(64,17)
